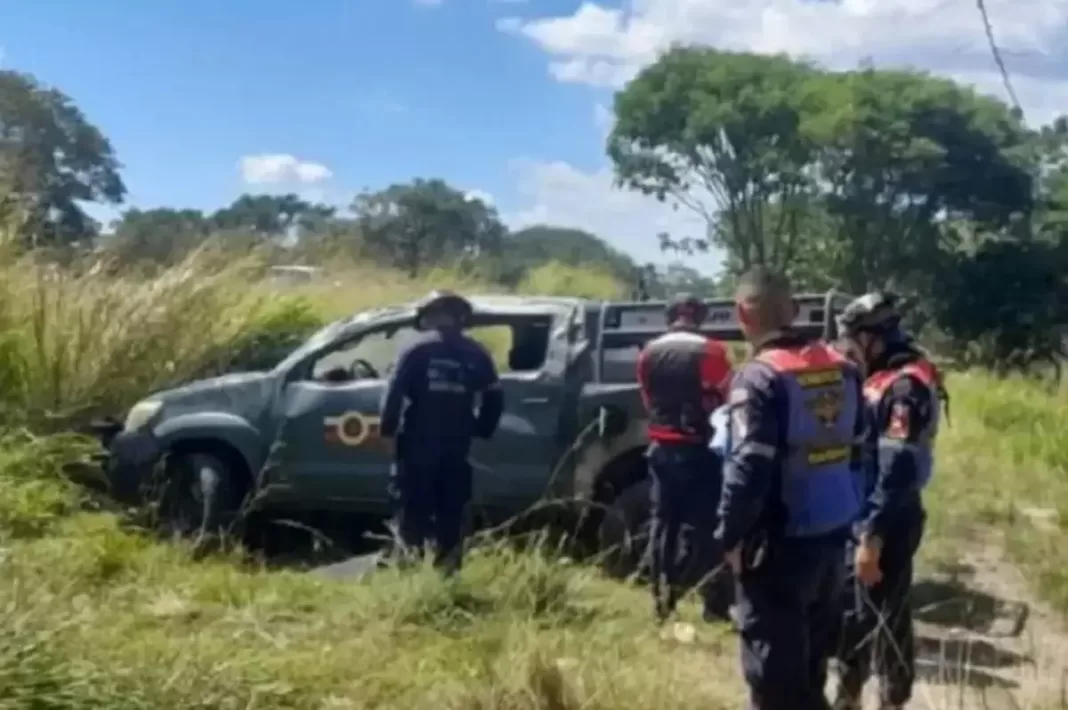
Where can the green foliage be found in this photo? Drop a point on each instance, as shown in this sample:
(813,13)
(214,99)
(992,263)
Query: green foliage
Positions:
(427,222)
(1011,290)
(665,281)
(162,235)
(541,244)
(165,236)
(899,149)
(560,279)
(56,157)
(276,332)
(858,180)
(724,134)
(271,215)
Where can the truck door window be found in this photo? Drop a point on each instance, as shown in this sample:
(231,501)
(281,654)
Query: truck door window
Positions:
(378,348)
(516,347)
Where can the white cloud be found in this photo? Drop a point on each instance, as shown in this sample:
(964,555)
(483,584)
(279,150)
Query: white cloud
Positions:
(275,168)
(560,194)
(605,46)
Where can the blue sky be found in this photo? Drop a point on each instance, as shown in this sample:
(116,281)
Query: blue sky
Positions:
(504,97)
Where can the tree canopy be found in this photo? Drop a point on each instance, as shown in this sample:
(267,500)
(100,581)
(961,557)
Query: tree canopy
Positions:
(53,159)
(857,180)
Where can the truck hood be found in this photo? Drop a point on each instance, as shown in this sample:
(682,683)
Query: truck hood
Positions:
(244,393)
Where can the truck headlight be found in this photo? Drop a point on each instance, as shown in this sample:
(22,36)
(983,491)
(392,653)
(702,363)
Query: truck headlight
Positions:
(141,414)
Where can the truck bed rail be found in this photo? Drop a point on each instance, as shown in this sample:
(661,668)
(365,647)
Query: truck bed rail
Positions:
(632,324)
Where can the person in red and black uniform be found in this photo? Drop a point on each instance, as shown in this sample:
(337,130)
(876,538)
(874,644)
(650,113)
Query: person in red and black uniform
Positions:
(683,377)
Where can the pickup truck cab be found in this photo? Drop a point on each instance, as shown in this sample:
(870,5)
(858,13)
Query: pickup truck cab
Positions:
(303,436)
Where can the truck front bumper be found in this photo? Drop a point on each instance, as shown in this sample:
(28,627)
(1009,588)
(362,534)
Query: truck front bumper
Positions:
(128,460)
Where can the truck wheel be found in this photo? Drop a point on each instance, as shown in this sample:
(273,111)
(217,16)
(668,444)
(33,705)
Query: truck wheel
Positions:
(624,532)
(199,497)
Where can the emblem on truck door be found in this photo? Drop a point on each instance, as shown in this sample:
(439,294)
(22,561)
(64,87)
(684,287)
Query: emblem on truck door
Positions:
(351,428)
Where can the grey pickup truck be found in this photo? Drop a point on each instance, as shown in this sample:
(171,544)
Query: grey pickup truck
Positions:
(303,436)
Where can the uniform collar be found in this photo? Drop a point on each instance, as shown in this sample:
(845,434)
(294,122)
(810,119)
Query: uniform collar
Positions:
(784,338)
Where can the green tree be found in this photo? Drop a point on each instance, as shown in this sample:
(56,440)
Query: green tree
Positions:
(1002,303)
(161,235)
(541,244)
(1050,145)
(903,154)
(426,222)
(271,216)
(840,179)
(55,160)
(725,135)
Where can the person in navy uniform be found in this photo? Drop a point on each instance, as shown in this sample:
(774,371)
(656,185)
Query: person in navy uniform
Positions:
(790,496)
(442,376)
(903,391)
(683,377)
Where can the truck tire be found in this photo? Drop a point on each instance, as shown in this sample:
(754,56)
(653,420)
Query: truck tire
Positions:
(199,497)
(624,532)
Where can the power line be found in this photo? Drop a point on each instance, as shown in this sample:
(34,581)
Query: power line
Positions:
(981,4)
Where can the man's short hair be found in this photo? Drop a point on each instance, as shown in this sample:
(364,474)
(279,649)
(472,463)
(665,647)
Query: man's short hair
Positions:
(767,295)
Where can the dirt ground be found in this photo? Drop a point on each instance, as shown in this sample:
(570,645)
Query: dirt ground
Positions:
(982,639)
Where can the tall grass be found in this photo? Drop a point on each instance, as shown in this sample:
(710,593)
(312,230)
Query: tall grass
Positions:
(89,339)
(1003,464)
(97,615)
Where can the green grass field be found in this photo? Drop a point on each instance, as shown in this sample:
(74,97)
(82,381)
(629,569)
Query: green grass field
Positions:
(98,615)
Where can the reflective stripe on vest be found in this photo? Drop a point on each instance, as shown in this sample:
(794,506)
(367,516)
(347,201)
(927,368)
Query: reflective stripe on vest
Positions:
(922,448)
(819,487)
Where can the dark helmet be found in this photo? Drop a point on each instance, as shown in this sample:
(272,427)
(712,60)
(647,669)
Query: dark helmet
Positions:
(448,301)
(877,312)
(688,306)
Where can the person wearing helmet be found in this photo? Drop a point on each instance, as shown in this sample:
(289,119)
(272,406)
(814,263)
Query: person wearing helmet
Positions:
(796,431)
(439,377)
(683,377)
(903,390)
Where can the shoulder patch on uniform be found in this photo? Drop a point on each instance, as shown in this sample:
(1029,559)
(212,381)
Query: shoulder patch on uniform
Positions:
(899,424)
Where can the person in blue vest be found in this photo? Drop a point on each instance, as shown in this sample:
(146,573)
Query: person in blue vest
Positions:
(790,496)
(903,391)
(439,376)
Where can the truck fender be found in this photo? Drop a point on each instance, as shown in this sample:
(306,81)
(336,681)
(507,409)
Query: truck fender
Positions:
(228,428)
(595,456)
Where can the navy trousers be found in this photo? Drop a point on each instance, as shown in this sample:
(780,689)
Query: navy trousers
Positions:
(431,496)
(789,612)
(877,631)
(683,549)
